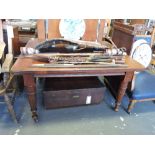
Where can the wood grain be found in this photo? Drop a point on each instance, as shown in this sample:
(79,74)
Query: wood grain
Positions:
(101,30)
(91,30)
(53,28)
(29,83)
(41,29)
(24,67)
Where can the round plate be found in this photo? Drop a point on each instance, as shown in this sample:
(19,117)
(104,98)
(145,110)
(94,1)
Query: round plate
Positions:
(72,28)
(136,44)
(141,52)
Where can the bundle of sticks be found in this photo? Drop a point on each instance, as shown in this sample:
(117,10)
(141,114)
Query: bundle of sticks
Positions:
(97,54)
(75,59)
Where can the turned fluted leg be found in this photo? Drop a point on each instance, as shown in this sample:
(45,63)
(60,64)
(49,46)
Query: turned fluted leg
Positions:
(122,89)
(130,106)
(29,83)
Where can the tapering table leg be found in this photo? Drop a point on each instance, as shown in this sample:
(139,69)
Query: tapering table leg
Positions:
(122,89)
(29,83)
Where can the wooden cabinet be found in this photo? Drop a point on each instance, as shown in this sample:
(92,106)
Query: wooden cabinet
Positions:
(124,36)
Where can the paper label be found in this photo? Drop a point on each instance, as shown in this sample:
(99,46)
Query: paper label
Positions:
(88,100)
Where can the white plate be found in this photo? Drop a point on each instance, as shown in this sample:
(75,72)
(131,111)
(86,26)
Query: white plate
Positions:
(141,52)
(72,28)
(136,44)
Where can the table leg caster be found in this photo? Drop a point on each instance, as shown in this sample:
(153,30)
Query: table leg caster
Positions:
(116,108)
(35,118)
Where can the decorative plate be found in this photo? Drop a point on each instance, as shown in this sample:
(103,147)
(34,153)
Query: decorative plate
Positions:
(141,52)
(72,28)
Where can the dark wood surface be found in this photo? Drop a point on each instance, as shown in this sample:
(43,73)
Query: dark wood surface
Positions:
(91,28)
(72,91)
(123,36)
(23,66)
(53,29)
(41,29)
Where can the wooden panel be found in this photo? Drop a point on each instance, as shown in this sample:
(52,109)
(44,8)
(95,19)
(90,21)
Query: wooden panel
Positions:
(90,33)
(91,30)
(1,31)
(2,44)
(125,28)
(101,30)
(137,21)
(41,29)
(123,36)
(122,39)
(24,65)
(119,20)
(15,42)
(53,28)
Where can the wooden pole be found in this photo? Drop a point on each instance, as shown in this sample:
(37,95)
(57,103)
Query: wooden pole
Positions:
(152,36)
(6,66)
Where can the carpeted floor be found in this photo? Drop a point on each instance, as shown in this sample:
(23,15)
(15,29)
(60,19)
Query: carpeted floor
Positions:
(83,120)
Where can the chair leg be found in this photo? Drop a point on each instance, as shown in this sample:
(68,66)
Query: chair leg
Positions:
(10,107)
(130,106)
(13,96)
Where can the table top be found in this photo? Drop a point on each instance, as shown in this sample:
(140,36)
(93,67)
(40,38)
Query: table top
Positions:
(23,65)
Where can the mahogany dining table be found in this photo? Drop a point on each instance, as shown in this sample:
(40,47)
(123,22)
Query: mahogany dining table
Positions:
(23,66)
